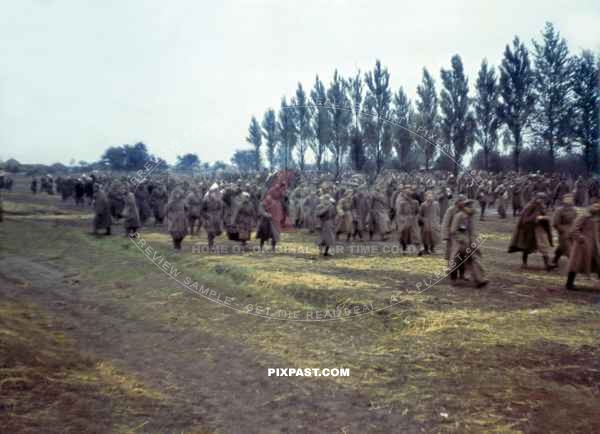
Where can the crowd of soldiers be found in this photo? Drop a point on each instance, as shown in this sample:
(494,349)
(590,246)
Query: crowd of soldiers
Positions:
(419,210)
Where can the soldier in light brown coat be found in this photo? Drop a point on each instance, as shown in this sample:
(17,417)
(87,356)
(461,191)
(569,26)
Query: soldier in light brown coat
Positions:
(585,245)
(464,248)
(562,221)
(176,218)
(429,217)
(212,214)
(131,214)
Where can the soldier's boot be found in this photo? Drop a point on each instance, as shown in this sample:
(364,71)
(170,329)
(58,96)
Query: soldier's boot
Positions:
(462,272)
(549,266)
(348,238)
(557,256)
(262,243)
(453,280)
(326,251)
(273,244)
(524,260)
(108,230)
(571,281)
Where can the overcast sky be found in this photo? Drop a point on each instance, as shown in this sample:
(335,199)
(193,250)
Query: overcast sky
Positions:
(78,76)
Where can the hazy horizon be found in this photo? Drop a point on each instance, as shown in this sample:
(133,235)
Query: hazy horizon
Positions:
(187,78)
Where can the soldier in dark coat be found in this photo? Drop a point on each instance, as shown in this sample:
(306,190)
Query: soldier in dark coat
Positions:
(141,201)
(517,199)
(562,221)
(102,218)
(532,232)
(130,213)
(326,212)
(268,209)
(158,202)
(176,219)
(79,192)
(34,184)
(245,218)
(585,245)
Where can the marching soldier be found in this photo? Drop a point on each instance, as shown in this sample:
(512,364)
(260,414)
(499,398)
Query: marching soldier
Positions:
(176,218)
(585,250)
(326,212)
(102,218)
(212,210)
(462,239)
(532,232)
(562,221)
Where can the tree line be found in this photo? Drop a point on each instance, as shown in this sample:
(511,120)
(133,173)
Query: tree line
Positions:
(543,101)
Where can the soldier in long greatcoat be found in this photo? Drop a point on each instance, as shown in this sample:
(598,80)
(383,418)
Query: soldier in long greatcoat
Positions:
(429,218)
(212,213)
(344,222)
(532,232)
(326,212)
(406,221)
(361,212)
(562,220)
(584,256)
(102,217)
(131,214)
(309,206)
(141,201)
(176,218)
(158,202)
(380,215)
(445,230)
(462,239)
(193,209)
(269,209)
(245,218)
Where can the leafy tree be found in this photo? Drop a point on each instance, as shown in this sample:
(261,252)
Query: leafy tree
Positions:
(287,133)
(303,115)
(516,94)
(427,117)
(322,122)
(355,91)
(402,137)
(341,118)
(219,165)
(137,156)
(269,125)
(553,113)
(486,111)
(245,160)
(187,162)
(357,150)
(255,139)
(114,157)
(379,97)
(586,92)
(12,165)
(458,122)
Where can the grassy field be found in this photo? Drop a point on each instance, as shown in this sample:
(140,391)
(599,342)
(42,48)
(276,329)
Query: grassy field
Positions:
(138,352)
